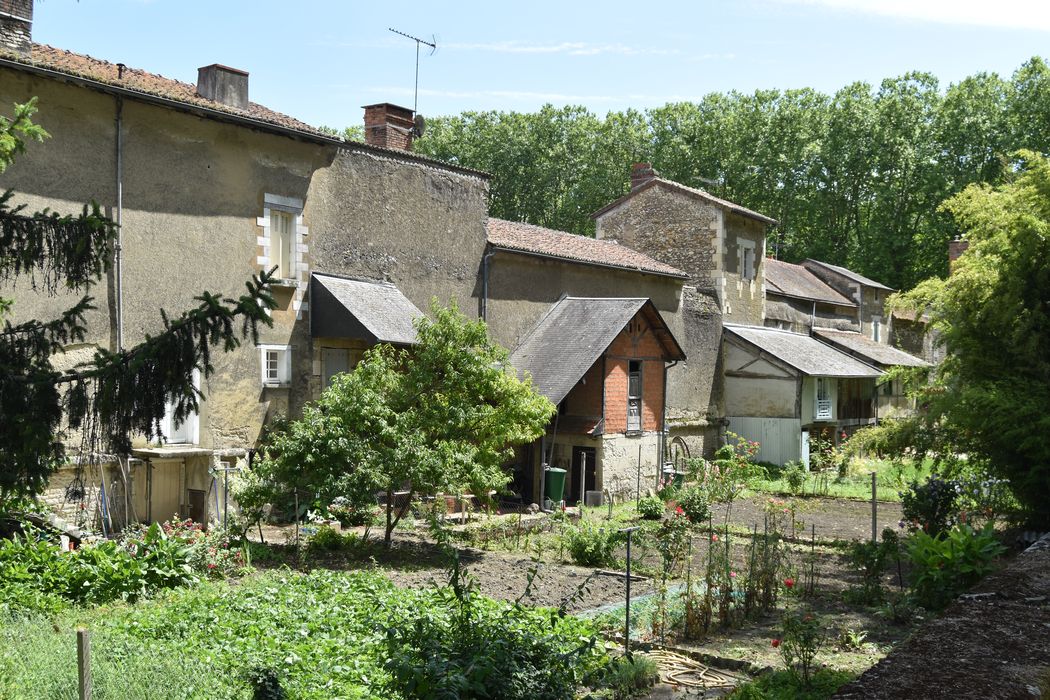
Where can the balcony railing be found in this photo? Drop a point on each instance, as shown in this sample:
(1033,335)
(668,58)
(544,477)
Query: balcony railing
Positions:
(823,410)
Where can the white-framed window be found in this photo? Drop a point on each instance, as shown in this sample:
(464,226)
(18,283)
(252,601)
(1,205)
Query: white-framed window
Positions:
(188,431)
(276,365)
(747,260)
(634,395)
(282,243)
(876,328)
(824,408)
(283,240)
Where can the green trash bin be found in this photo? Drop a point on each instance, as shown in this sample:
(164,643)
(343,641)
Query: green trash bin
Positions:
(555,484)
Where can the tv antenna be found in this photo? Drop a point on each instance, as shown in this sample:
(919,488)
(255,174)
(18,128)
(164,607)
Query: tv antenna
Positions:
(433,48)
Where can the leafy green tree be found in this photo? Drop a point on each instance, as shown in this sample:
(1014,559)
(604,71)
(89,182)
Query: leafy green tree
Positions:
(439,417)
(991,397)
(119,393)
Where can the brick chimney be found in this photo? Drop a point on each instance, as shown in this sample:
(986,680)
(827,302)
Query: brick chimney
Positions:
(16,26)
(223,84)
(389,126)
(956,247)
(642,173)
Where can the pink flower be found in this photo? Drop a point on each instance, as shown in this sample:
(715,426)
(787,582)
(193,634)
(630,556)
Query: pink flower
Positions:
(714,538)
(775,643)
(679,511)
(212,566)
(732,574)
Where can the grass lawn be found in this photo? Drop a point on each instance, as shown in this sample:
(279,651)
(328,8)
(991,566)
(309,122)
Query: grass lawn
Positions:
(890,480)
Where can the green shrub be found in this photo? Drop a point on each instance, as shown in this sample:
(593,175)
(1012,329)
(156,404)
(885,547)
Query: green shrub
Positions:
(650,508)
(869,560)
(590,544)
(352,514)
(794,474)
(475,647)
(931,506)
(695,503)
(35,571)
(782,685)
(630,676)
(944,565)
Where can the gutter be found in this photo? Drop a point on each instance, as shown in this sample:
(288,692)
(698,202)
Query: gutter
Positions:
(485,285)
(118,255)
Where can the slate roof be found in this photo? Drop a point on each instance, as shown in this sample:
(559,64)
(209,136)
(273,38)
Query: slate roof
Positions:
(378,309)
(867,349)
(806,354)
(574,333)
(691,191)
(792,280)
(175,93)
(850,274)
(537,240)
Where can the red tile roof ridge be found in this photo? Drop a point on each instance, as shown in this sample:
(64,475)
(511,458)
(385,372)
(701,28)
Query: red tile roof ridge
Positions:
(532,239)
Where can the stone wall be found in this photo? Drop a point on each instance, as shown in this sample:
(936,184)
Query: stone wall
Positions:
(619,457)
(743,300)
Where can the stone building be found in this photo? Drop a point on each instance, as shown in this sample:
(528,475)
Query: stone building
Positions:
(721,247)
(210,188)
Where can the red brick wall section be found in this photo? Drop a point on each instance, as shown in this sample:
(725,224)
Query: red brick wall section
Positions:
(636,342)
(585,399)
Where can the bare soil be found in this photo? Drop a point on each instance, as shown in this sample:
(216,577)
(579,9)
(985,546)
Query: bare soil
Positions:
(993,642)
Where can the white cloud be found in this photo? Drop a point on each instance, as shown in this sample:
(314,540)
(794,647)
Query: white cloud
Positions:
(1012,14)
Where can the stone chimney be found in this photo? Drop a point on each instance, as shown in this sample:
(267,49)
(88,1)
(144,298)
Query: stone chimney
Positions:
(956,247)
(223,84)
(389,126)
(16,26)
(642,173)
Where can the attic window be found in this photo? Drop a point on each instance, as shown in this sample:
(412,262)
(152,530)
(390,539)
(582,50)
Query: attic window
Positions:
(747,260)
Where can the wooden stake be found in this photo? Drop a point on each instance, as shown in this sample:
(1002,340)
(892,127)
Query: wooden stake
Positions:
(84,662)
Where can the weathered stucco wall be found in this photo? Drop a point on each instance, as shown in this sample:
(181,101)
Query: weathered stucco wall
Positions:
(523,287)
(192,191)
(671,227)
(619,456)
(420,227)
(796,315)
(743,299)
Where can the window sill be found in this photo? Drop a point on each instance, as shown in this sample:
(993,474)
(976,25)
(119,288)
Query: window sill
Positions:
(634,432)
(277,385)
(284,282)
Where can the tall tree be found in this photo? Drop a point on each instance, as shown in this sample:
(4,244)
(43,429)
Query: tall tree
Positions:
(116,395)
(991,398)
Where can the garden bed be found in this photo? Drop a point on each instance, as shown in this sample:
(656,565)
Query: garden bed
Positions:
(993,642)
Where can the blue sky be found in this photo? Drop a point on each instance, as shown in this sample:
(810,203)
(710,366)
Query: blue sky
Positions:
(322,60)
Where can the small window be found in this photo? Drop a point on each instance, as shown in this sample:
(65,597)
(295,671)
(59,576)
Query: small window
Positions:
(824,409)
(748,272)
(634,395)
(282,243)
(276,363)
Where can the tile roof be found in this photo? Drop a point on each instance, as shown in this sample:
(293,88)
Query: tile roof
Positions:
(867,349)
(849,274)
(374,311)
(573,334)
(806,354)
(150,85)
(792,280)
(137,80)
(692,191)
(537,240)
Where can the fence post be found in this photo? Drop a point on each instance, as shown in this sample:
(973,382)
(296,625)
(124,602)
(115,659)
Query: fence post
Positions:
(874,510)
(84,662)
